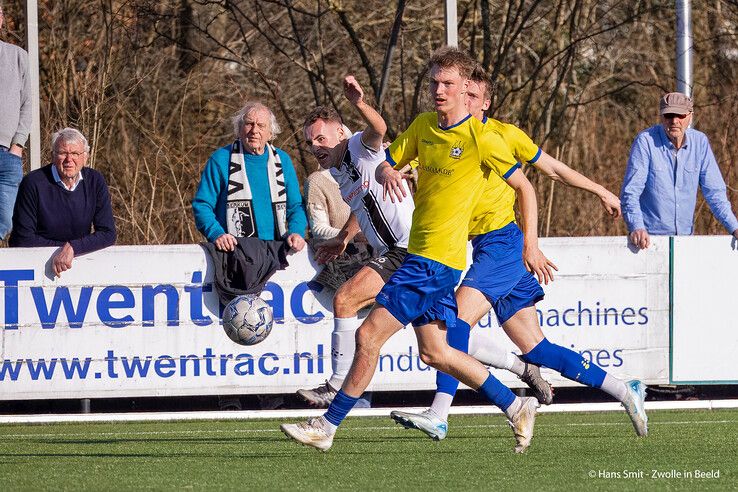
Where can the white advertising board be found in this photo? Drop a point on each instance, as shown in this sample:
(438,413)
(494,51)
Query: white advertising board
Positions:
(143,321)
(705,327)
(608,302)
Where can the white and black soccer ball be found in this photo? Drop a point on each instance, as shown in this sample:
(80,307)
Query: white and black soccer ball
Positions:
(247,320)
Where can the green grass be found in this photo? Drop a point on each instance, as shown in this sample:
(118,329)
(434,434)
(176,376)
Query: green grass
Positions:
(373,454)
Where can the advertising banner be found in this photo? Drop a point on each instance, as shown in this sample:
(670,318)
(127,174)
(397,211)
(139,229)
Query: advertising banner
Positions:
(144,321)
(705,328)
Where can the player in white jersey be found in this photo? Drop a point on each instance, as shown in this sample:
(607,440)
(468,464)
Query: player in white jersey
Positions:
(385,224)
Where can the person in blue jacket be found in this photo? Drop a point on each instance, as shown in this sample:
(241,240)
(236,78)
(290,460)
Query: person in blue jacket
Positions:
(249,188)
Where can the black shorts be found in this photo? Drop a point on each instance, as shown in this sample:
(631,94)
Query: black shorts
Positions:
(388,263)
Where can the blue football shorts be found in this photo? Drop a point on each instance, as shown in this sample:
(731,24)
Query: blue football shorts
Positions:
(498,272)
(421,291)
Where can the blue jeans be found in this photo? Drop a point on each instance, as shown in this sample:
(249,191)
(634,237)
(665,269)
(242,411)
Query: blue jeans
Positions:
(11,173)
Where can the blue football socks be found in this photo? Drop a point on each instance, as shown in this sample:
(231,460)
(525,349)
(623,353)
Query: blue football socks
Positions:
(497,393)
(339,408)
(458,338)
(567,362)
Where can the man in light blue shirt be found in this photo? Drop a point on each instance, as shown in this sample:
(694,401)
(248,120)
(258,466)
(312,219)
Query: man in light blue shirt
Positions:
(666,165)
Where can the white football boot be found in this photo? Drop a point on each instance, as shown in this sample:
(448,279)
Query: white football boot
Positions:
(522,423)
(634,405)
(427,421)
(314,432)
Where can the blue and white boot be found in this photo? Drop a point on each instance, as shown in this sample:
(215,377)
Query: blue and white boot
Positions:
(634,405)
(427,421)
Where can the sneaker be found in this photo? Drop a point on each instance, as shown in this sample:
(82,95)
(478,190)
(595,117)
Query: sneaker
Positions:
(427,421)
(313,433)
(542,389)
(319,397)
(522,423)
(634,405)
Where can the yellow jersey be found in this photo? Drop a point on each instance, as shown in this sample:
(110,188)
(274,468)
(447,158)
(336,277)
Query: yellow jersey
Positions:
(454,166)
(495,209)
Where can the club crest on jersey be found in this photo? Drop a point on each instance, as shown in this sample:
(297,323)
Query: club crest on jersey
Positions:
(456,150)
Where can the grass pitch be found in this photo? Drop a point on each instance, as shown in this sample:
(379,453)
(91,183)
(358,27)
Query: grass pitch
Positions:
(685,450)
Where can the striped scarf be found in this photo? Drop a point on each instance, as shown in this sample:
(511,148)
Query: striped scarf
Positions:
(239,202)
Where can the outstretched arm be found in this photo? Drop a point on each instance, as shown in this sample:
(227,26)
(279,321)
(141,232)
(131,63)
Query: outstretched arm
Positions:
(558,171)
(376,127)
(535,261)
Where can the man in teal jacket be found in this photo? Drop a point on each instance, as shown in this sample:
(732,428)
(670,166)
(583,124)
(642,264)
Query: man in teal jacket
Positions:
(249,188)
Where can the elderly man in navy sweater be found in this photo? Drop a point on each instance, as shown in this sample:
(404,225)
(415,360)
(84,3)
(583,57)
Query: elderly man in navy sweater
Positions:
(61,203)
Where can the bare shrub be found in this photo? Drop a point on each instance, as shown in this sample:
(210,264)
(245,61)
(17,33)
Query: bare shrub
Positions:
(152,83)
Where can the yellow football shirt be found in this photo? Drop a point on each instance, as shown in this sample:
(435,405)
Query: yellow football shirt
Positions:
(454,165)
(495,209)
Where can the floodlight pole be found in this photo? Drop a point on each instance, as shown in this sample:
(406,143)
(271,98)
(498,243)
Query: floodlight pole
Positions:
(684,47)
(452,32)
(33,73)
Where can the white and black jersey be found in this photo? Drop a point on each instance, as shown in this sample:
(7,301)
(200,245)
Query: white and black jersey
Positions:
(385,224)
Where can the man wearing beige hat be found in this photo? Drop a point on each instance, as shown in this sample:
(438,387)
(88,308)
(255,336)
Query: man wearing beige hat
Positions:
(667,163)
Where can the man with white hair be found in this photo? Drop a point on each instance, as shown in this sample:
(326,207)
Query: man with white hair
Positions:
(64,204)
(15,124)
(249,188)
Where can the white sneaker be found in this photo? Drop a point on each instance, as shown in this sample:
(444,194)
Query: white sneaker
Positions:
(634,405)
(427,421)
(522,423)
(320,397)
(313,433)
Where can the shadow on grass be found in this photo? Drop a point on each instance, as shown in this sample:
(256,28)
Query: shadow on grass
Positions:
(165,455)
(149,440)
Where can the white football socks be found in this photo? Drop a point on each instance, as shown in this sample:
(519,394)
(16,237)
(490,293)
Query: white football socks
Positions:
(442,404)
(343,346)
(614,387)
(516,364)
(514,407)
(327,426)
(483,348)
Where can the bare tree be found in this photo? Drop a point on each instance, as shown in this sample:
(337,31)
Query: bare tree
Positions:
(152,83)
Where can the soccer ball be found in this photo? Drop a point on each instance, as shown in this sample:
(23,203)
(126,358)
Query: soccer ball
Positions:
(247,320)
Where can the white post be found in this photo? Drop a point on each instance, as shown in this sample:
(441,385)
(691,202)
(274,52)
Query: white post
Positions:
(452,33)
(684,47)
(32,43)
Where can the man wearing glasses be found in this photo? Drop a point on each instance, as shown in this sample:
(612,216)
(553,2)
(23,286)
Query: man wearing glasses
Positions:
(64,204)
(666,165)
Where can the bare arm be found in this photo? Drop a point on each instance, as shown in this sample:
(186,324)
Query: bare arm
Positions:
(558,171)
(350,229)
(376,127)
(332,248)
(534,259)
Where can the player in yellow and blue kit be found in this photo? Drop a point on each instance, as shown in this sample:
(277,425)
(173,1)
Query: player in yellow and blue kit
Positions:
(498,279)
(457,156)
